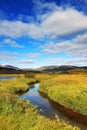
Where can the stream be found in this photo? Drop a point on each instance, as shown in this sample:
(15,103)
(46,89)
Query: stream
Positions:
(7,78)
(45,105)
(48,108)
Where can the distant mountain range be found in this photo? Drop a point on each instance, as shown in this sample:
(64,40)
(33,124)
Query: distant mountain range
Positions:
(9,67)
(62,68)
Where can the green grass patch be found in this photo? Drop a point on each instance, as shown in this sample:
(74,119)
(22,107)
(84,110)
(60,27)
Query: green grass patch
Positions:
(19,114)
(69,90)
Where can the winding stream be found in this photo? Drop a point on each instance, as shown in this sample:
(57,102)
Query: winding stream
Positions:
(47,107)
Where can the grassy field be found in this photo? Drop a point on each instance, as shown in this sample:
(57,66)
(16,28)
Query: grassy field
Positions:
(19,114)
(69,90)
(21,83)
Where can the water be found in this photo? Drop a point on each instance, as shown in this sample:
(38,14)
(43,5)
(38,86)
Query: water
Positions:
(7,78)
(47,107)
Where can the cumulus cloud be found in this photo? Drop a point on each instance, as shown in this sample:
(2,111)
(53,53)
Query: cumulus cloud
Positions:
(12,29)
(35,31)
(76,47)
(54,48)
(50,48)
(58,23)
(12,43)
(17,29)
(81,39)
(43,9)
(64,22)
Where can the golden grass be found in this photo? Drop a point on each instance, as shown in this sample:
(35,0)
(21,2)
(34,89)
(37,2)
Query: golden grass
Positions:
(20,83)
(70,90)
(19,114)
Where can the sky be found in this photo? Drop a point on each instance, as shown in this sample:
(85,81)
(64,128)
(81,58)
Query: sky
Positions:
(35,33)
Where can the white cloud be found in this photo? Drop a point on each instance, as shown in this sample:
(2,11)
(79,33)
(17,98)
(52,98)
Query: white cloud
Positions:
(64,22)
(53,48)
(25,61)
(55,23)
(14,58)
(12,29)
(9,57)
(71,61)
(76,47)
(50,48)
(34,55)
(67,61)
(81,39)
(76,61)
(42,8)
(16,29)
(12,43)
(35,31)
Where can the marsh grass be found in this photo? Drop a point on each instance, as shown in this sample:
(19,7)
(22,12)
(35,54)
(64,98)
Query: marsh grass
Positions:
(15,85)
(70,90)
(19,114)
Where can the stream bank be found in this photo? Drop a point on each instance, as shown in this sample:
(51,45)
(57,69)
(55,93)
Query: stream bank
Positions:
(49,108)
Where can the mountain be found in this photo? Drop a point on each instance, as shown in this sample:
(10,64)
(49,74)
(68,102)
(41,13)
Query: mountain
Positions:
(10,67)
(57,68)
(62,68)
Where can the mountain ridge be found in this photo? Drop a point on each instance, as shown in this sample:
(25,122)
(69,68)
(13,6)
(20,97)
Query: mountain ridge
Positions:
(9,67)
(53,68)
(61,68)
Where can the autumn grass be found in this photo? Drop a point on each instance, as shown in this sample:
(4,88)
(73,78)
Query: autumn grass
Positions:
(22,115)
(69,90)
(19,114)
(20,83)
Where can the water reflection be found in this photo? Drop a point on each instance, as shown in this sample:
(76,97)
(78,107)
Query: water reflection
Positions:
(48,108)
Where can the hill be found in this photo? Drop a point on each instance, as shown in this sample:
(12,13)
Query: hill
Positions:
(63,68)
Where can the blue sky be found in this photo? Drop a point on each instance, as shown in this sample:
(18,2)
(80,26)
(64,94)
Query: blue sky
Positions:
(36,33)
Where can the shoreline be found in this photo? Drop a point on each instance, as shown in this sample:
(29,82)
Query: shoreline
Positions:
(72,114)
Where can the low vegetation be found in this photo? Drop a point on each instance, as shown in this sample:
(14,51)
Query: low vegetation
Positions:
(69,90)
(19,114)
(21,83)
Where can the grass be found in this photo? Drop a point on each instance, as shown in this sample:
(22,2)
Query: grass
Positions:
(69,90)
(19,114)
(21,83)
